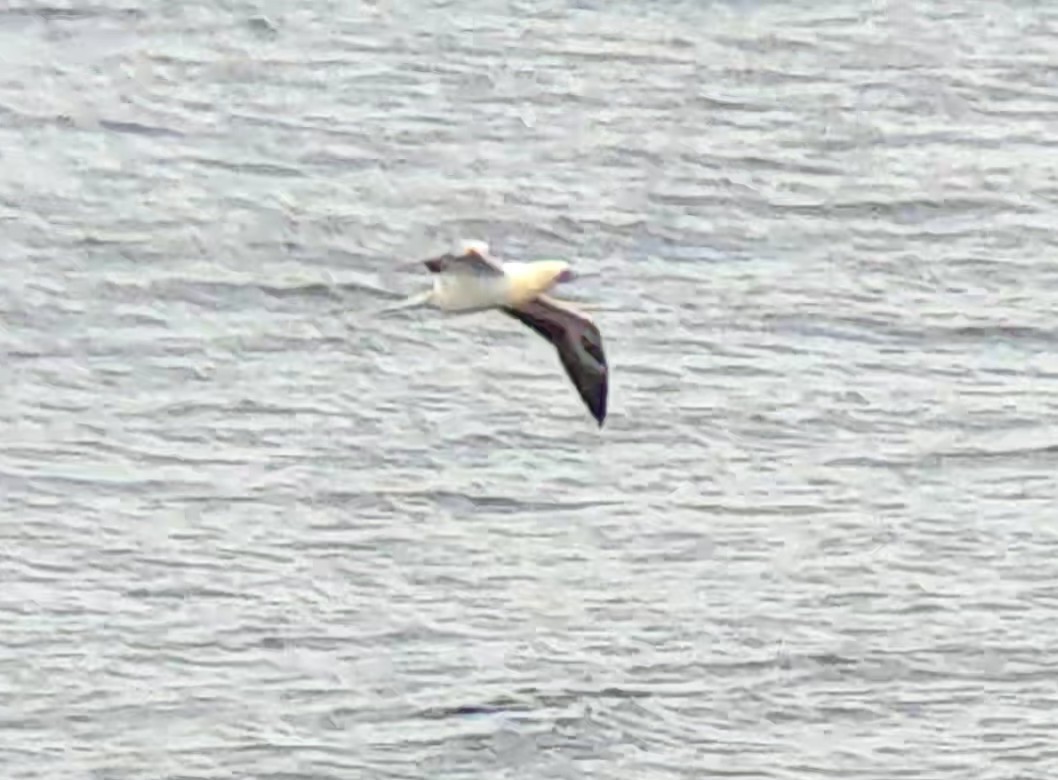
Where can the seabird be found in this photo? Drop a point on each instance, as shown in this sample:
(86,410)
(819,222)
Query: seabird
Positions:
(475,281)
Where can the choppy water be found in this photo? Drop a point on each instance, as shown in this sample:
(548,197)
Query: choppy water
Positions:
(247,531)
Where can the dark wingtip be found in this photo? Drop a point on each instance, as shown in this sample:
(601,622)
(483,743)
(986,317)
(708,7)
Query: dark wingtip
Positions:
(598,411)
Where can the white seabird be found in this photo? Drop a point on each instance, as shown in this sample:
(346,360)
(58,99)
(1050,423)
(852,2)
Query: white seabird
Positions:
(474,281)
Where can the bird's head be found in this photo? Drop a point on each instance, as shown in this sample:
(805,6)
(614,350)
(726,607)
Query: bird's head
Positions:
(552,272)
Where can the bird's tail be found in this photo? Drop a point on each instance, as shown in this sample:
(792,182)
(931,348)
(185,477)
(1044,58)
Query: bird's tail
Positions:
(411,302)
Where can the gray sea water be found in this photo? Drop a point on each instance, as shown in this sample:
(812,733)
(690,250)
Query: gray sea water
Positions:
(248,530)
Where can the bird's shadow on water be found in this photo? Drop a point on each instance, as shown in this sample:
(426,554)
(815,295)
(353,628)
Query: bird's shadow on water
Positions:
(529,700)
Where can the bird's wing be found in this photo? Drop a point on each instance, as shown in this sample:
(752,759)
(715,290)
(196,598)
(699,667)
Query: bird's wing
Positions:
(472,261)
(579,345)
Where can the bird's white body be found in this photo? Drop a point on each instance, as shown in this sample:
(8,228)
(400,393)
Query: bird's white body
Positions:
(519,283)
(464,293)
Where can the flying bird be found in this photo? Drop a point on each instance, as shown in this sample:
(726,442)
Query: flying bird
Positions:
(475,281)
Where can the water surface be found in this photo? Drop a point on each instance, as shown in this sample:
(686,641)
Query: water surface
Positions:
(247,530)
